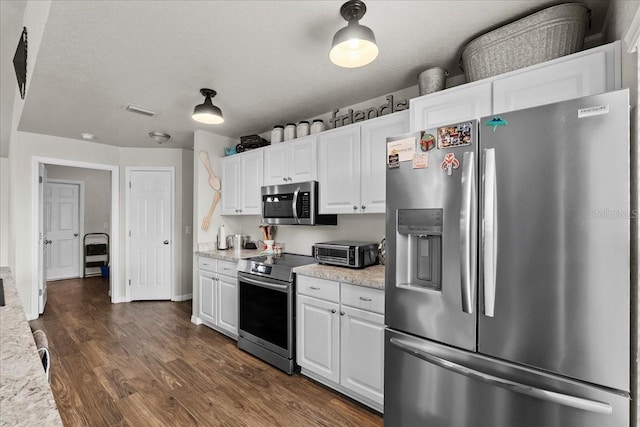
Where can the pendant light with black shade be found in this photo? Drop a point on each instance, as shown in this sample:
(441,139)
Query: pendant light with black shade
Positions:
(207,112)
(354,45)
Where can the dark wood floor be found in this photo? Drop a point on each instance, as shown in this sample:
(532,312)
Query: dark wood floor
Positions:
(146,364)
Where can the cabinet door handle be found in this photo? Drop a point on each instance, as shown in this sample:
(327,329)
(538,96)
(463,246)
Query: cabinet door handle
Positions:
(365,299)
(355,207)
(342,313)
(363,207)
(314,288)
(333,311)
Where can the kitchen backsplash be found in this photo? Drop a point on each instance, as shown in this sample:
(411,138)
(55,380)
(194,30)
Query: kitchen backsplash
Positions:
(299,238)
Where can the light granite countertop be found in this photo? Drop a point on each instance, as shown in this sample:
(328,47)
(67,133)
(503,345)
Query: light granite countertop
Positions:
(229,254)
(25,394)
(372,277)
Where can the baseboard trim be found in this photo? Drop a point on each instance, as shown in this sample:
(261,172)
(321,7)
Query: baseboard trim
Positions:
(196,320)
(184,297)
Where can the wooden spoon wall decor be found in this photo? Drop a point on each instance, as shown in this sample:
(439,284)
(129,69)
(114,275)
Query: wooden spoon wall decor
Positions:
(215,184)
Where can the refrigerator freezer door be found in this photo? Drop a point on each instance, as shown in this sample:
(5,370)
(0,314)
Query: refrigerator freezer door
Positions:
(428,384)
(431,237)
(554,270)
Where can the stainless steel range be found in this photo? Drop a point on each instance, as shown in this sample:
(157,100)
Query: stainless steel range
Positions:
(267,308)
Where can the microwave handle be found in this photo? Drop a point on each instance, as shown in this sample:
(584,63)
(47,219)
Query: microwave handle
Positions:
(295,205)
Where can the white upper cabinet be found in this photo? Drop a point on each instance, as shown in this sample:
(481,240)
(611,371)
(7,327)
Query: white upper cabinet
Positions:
(453,105)
(351,164)
(373,158)
(586,73)
(288,162)
(242,176)
(339,170)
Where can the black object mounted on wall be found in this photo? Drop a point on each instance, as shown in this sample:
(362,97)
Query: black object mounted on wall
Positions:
(20,62)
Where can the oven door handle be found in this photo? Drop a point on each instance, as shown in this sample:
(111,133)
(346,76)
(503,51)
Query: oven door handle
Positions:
(264,282)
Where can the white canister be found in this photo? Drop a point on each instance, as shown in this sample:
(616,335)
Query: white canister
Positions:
(290,131)
(302,129)
(317,126)
(432,80)
(277,134)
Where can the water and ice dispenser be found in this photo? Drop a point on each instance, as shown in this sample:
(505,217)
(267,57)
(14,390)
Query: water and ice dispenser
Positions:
(419,248)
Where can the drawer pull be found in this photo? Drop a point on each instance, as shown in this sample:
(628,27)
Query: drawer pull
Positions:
(314,288)
(365,299)
(333,311)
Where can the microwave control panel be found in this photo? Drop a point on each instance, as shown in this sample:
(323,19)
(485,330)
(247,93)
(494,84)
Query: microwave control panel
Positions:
(305,204)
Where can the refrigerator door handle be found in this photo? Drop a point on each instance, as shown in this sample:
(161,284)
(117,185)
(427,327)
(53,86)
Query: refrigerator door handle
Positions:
(468,240)
(489,231)
(538,393)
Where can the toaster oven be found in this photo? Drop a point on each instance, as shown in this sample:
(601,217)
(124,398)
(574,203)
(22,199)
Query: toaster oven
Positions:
(346,253)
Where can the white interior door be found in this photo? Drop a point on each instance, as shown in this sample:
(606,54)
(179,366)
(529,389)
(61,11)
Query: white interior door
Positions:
(62,228)
(150,234)
(42,243)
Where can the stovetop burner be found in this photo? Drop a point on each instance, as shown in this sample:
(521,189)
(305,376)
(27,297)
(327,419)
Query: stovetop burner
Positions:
(285,259)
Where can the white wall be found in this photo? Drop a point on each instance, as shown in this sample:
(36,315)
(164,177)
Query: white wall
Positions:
(97,194)
(154,157)
(25,146)
(4,211)
(186,254)
(213,145)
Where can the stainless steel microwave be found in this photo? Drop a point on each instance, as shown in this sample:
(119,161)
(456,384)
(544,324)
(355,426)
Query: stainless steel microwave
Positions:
(293,204)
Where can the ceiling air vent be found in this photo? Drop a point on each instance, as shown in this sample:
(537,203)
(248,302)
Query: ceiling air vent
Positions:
(139,110)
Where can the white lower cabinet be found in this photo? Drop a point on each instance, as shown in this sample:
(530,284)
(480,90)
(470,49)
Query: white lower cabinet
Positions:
(319,336)
(362,352)
(218,285)
(338,344)
(208,292)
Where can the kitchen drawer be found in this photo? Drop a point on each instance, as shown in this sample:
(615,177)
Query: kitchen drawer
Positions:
(319,288)
(208,264)
(363,298)
(228,268)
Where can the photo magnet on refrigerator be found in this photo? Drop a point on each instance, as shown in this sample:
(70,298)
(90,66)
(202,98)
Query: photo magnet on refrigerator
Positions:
(455,135)
(394,161)
(420,160)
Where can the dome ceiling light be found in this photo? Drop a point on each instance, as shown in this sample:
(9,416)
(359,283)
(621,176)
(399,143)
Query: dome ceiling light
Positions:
(207,112)
(159,137)
(354,45)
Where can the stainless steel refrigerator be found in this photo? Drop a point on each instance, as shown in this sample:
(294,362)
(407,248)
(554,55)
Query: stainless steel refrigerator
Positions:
(507,279)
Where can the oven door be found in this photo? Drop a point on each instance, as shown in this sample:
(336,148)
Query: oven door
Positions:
(266,313)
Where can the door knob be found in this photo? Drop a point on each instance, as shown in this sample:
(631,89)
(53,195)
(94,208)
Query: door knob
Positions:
(166,242)
(75,234)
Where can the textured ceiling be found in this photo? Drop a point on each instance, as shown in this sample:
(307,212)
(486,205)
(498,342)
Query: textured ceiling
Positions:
(268,61)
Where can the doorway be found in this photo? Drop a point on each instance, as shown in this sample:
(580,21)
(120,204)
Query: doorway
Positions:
(116,290)
(63,217)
